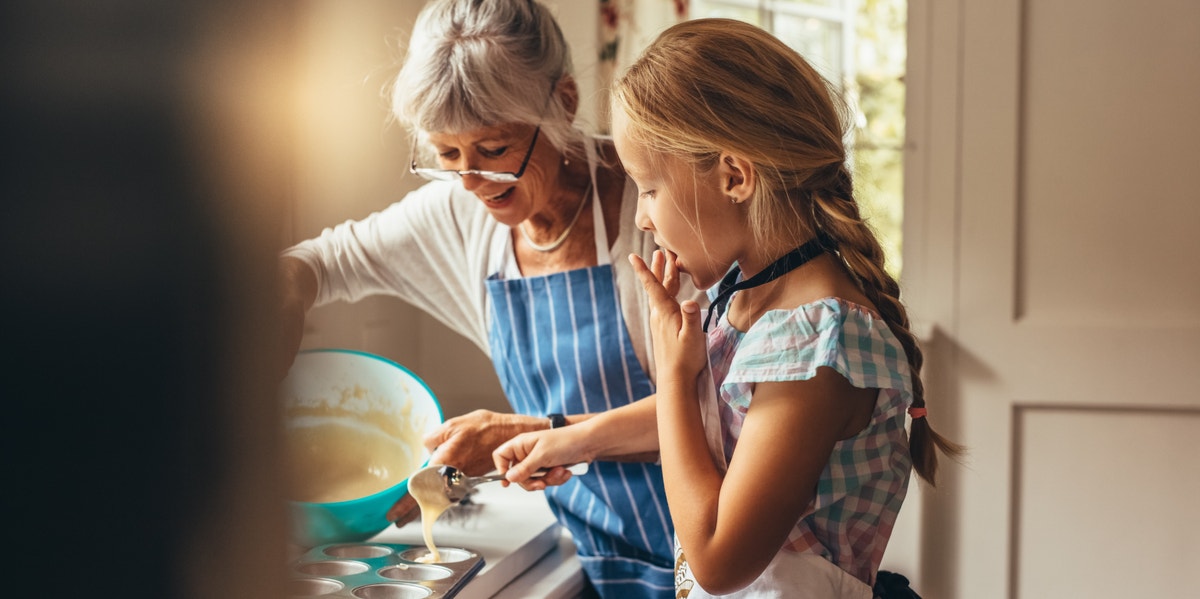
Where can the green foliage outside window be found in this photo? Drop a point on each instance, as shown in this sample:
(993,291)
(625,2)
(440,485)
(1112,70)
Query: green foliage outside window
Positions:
(877,153)
(874,88)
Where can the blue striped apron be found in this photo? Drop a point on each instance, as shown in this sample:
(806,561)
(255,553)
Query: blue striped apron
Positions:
(559,344)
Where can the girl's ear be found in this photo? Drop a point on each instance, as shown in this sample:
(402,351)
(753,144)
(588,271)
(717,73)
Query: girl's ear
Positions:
(737,177)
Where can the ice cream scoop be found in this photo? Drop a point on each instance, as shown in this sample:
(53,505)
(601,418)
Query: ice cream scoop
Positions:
(458,485)
(438,487)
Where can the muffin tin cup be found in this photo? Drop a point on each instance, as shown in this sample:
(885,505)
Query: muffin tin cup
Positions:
(380,571)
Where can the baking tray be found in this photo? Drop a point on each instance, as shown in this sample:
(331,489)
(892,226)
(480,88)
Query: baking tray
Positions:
(380,571)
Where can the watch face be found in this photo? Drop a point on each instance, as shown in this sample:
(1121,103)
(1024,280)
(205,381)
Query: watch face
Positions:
(557,420)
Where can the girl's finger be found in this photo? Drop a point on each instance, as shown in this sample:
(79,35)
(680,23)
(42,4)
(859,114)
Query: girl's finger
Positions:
(670,278)
(656,295)
(691,318)
(505,456)
(658,263)
(649,283)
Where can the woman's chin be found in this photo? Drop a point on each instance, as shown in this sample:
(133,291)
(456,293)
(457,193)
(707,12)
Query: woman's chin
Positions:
(504,209)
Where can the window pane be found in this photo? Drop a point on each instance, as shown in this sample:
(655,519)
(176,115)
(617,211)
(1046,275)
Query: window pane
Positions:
(742,11)
(877,150)
(786,4)
(871,79)
(818,40)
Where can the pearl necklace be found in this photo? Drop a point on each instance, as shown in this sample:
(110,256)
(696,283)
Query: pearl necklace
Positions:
(563,237)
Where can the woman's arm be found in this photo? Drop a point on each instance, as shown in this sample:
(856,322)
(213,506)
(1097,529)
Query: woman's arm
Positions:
(430,249)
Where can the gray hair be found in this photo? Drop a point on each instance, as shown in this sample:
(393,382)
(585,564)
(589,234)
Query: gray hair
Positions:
(479,63)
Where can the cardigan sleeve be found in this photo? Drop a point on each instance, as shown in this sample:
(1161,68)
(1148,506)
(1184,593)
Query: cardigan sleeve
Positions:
(429,249)
(435,249)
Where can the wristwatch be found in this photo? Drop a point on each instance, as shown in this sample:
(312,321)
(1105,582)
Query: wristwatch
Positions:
(557,420)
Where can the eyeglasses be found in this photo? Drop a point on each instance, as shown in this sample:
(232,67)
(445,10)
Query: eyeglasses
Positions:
(444,174)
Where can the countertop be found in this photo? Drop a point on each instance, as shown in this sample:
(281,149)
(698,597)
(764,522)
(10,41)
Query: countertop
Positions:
(526,553)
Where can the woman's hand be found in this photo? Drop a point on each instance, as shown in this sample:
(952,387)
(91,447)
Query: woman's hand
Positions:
(680,349)
(466,443)
(522,456)
(297,293)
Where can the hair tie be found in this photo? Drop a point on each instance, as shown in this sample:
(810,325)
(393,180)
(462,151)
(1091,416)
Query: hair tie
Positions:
(916,412)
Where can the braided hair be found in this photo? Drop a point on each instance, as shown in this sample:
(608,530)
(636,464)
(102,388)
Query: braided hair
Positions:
(712,85)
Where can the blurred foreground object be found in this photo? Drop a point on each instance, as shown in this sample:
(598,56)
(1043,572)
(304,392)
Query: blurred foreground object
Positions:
(144,163)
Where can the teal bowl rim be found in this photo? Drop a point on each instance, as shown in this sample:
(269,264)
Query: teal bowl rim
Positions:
(402,484)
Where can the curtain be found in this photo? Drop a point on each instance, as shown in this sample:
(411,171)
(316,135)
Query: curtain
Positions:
(626,28)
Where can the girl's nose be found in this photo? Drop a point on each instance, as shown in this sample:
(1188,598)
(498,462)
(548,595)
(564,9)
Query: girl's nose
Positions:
(642,219)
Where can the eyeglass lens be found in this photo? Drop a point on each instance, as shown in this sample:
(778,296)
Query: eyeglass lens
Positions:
(438,174)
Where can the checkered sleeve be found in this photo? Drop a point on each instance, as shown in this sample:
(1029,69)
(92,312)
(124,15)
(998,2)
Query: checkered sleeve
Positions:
(851,339)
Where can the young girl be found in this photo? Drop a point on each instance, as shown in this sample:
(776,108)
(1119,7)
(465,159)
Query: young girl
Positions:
(779,416)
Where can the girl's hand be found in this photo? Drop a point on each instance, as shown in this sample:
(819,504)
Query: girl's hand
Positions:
(522,456)
(679,344)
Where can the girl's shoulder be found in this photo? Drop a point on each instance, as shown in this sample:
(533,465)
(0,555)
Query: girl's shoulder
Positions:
(827,313)
(821,317)
(833,332)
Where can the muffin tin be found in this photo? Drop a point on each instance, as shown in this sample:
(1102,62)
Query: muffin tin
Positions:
(380,571)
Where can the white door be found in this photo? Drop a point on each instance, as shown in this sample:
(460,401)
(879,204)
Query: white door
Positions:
(1053,246)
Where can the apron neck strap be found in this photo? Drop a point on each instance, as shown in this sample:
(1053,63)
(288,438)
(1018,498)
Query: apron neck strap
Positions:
(790,261)
(598,230)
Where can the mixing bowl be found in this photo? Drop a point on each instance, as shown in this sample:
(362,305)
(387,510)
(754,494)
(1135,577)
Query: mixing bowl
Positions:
(353,428)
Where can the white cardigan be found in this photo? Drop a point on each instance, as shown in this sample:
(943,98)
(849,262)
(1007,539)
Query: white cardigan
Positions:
(437,246)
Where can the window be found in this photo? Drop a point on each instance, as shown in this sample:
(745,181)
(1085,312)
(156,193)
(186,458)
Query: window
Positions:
(860,47)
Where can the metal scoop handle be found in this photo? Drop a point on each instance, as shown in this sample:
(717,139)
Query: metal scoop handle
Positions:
(458,484)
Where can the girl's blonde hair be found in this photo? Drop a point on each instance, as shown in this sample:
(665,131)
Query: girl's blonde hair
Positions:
(717,85)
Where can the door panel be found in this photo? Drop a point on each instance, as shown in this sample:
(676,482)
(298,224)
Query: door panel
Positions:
(1095,519)
(1103,142)
(1067,348)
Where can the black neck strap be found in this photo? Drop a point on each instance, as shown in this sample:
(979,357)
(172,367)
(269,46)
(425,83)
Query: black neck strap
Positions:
(790,261)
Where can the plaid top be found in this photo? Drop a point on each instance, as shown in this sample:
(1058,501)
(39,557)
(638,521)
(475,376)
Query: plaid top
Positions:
(860,491)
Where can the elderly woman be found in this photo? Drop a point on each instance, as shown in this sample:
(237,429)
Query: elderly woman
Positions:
(519,244)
